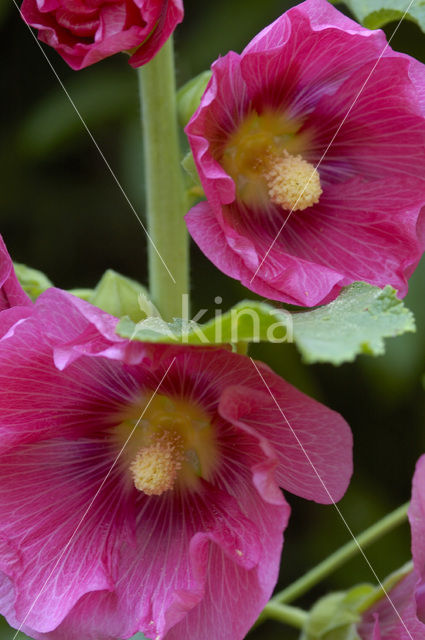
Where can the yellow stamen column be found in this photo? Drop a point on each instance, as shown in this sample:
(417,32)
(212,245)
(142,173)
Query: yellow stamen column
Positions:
(293,182)
(156,466)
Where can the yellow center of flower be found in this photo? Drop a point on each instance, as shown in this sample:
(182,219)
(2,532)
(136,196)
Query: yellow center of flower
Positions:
(172,444)
(264,156)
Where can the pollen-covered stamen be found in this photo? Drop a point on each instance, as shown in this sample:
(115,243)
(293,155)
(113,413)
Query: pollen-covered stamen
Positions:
(293,183)
(156,466)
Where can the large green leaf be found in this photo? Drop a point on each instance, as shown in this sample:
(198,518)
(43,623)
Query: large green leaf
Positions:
(377,13)
(248,321)
(357,322)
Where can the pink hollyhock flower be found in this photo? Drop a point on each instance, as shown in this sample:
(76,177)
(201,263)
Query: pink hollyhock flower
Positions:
(313,89)
(383,622)
(417,525)
(403,617)
(11,292)
(86,31)
(139,483)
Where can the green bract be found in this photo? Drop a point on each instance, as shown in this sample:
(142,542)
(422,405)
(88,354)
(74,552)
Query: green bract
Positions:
(32,281)
(189,96)
(335,616)
(120,296)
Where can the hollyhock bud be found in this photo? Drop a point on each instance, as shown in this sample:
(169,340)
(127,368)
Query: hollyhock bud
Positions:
(139,486)
(309,147)
(85,32)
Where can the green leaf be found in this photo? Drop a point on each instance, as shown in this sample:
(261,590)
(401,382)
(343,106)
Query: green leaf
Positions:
(356,322)
(195,189)
(248,321)
(120,296)
(377,13)
(32,281)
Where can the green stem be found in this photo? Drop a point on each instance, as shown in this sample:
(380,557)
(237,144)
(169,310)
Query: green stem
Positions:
(293,616)
(168,252)
(338,558)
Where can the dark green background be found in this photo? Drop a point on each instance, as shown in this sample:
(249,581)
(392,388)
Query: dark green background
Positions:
(61,212)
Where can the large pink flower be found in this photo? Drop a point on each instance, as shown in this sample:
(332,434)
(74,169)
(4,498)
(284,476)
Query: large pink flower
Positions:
(179,536)
(11,292)
(313,88)
(417,525)
(86,31)
(402,615)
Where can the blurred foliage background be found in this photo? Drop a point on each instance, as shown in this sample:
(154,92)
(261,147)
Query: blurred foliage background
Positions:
(62,212)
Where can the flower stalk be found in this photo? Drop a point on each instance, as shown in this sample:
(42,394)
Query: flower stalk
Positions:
(338,558)
(293,616)
(168,248)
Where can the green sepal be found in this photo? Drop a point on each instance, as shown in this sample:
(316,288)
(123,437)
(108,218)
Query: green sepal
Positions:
(32,281)
(195,189)
(189,96)
(120,296)
(335,616)
(84,294)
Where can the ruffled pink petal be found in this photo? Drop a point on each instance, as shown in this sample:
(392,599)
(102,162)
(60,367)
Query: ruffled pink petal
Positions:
(244,591)
(63,537)
(313,444)
(321,15)
(379,242)
(304,55)
(290,278)
(417,526)
(11,292)
(395,620)
(37,399)
(201,577)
